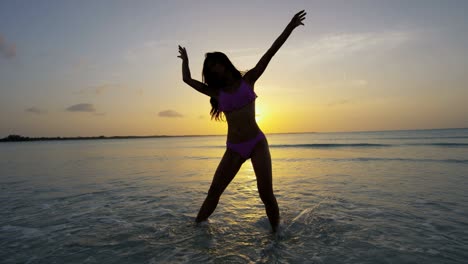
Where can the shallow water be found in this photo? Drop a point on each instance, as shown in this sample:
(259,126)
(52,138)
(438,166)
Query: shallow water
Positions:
(362,197)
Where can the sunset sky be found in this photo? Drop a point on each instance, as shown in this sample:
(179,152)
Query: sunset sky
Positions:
(89,68)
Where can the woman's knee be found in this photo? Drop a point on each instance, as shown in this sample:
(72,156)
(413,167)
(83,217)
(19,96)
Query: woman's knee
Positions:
(215,191)
(267,197)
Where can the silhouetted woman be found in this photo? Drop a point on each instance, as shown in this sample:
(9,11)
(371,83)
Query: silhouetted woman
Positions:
(233,94)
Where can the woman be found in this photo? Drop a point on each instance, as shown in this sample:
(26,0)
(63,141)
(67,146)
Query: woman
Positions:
(233,94)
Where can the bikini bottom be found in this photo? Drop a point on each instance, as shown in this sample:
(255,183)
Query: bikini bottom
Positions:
(245,148)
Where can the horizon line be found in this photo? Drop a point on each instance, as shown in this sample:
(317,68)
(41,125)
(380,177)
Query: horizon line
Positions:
(210,135)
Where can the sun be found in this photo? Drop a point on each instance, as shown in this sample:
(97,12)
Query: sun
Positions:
(258,113)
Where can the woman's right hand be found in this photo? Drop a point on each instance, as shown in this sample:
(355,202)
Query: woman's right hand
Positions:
(182,54)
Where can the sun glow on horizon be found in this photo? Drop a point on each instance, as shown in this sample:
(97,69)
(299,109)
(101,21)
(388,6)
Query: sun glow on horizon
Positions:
(259,114)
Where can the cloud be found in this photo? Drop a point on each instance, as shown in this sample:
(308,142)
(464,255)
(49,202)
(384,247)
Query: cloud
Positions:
(83,63)
(358,83)
(35,110)
(7,50)
(339,45)
(169,113)
(344,83)
(340,102)
(139,91)
(327,47)
(81,108)
(100,88)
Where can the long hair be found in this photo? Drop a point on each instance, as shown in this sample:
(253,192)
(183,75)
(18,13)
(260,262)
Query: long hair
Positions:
(213,80)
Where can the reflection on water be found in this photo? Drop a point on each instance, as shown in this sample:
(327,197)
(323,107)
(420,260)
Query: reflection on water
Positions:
(124,201)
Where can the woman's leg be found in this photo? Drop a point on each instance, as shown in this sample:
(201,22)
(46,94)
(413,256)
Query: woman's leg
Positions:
(261,162)
(227,169)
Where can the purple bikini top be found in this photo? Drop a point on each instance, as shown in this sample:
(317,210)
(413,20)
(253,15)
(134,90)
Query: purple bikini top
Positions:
(241,97)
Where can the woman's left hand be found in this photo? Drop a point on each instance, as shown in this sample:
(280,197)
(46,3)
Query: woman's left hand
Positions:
(297,19)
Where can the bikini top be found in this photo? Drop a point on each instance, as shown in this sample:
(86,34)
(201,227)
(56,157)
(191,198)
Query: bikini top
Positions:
(241,97)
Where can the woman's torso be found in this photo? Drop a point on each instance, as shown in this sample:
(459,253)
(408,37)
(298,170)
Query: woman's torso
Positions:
(242,125)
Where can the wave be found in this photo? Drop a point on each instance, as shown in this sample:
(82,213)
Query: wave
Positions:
(440,144)
(370,159)
(328,145)
(358,145)
(368,145)
(464,161)
(428,137)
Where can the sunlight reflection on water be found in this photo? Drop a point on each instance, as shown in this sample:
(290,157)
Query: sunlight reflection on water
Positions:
(136,200)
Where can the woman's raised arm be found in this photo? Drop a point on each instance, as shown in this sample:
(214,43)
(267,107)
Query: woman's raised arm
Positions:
(187,78)
(255,73)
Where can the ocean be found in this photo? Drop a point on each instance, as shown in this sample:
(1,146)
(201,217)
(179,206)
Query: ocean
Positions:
(357,197)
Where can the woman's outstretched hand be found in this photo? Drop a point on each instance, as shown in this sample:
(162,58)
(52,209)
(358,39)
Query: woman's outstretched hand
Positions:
(182,54)
(297,19)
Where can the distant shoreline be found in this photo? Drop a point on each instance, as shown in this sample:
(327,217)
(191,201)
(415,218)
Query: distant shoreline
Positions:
(19,138)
